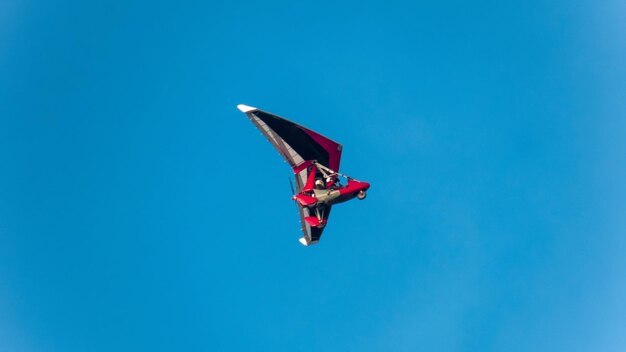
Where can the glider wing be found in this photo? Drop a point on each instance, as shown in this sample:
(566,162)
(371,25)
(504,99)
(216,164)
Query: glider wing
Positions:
(299,146)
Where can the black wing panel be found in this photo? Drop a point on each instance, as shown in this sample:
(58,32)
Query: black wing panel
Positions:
(295,136)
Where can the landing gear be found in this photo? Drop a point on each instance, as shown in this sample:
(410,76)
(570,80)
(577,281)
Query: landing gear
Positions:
(361,195)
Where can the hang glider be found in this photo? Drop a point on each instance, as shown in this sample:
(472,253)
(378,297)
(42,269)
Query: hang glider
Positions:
(315,161)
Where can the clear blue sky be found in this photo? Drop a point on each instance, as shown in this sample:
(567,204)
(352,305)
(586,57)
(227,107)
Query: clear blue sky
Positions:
(141,211)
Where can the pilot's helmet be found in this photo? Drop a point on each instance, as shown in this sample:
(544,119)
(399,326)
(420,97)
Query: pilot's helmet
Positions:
(319,183)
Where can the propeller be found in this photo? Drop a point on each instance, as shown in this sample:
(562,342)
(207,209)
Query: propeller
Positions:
(293,192)
(295,202)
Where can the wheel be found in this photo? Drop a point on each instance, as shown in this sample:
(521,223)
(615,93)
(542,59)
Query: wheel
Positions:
(361,195)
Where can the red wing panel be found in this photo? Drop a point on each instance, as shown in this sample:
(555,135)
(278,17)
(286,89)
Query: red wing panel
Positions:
(305,200)
(333,149)
(310,182)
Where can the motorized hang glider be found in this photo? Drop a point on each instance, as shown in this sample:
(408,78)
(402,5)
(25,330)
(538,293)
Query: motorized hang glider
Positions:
(315,163)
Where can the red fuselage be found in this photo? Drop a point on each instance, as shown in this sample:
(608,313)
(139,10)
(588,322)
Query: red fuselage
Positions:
(350,191)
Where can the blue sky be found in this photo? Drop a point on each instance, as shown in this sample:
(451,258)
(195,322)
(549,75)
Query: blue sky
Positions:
(140,210)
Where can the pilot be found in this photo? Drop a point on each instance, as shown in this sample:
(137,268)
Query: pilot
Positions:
(332,181)
(319,184)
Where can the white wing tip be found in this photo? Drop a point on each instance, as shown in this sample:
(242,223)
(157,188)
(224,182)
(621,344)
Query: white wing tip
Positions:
(246,108)
(306,243)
